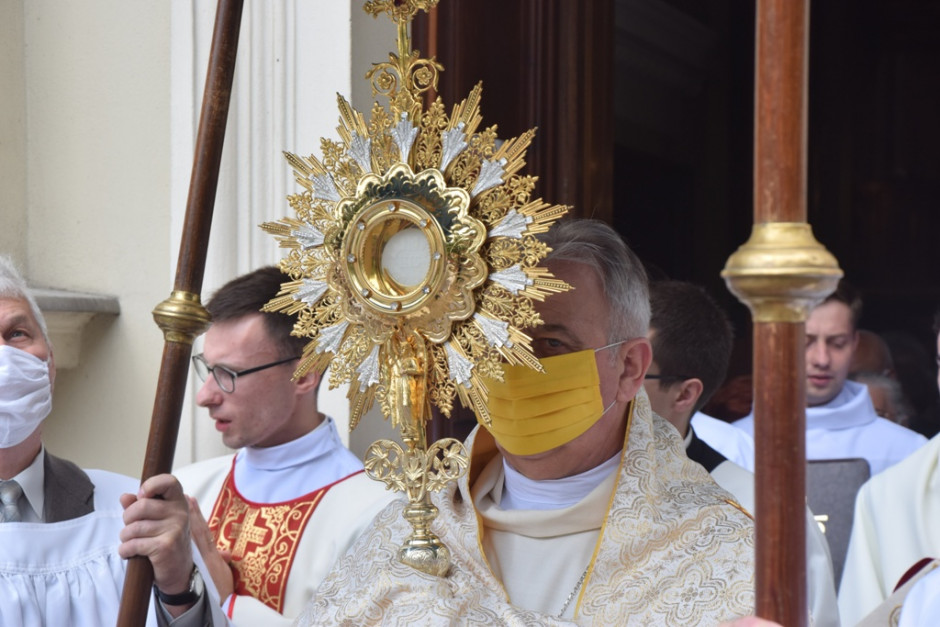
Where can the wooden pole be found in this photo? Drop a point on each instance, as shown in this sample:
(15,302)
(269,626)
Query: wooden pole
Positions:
(780,111)
(780,472)
(780,273)
(779,363)
(182,317)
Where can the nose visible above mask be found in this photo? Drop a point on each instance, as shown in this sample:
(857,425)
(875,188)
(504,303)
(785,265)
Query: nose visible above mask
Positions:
(25,394)
(533,412)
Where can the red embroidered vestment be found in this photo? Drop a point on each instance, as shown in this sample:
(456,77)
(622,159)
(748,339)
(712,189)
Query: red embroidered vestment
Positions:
(262,539)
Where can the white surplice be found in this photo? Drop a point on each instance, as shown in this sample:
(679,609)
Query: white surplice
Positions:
(69,572)
(847,426)
(733,443)
(66,573)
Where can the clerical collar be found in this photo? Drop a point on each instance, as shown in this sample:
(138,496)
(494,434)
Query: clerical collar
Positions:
(688,438)
(520,492)
(297,452)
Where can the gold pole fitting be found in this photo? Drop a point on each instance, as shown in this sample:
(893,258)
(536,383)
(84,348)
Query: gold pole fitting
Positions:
(781,272)
(181,317)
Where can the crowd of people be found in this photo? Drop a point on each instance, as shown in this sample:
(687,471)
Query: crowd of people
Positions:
(600,494)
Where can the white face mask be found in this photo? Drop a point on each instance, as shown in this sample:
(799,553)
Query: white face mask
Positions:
(25,394)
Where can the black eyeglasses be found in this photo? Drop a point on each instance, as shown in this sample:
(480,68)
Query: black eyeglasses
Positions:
(225,377)
(668,377)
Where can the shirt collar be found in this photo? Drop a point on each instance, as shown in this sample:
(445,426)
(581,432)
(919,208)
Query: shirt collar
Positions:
(31,479)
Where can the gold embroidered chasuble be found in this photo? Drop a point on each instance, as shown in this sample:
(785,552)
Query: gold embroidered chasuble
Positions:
(262,539)
(675,550)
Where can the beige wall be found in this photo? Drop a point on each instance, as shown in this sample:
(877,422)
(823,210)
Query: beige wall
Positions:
(12,131)
(86,137)
(97,131)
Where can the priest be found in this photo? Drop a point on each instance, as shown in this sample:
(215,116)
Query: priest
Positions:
(580,504)
(897,517)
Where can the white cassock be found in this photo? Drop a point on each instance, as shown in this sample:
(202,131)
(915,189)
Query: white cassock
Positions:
(287,513)
(847,426)
(69,572)
(733,443)
(897,523)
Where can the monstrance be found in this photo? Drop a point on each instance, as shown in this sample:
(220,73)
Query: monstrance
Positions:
(414,267)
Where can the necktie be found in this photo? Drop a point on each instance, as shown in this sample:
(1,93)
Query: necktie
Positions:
(10,492)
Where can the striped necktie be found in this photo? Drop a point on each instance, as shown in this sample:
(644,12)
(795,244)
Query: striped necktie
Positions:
(10,492)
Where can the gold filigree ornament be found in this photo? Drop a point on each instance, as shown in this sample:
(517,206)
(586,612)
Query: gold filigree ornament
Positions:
(414,267)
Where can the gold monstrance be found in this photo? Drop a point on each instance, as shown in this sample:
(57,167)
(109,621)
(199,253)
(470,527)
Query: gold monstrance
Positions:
(413,257)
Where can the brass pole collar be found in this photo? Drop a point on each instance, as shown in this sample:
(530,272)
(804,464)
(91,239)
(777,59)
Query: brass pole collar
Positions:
(781,272)
(181,317)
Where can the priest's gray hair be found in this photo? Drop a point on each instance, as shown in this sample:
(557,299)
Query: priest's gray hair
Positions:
(597,245)
(12,285)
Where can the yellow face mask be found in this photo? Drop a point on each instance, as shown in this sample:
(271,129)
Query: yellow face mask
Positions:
(534,412)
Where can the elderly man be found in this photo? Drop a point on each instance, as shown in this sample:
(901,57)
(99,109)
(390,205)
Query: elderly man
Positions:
(897,523)
(66,570)
(291,501)
(692,338)
(579,503)
(840,419)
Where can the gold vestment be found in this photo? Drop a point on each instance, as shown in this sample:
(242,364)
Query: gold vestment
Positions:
(675,550)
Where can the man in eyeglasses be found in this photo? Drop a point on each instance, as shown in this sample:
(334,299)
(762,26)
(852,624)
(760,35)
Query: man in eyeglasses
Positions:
(691,338)
(692,341)
(293,498)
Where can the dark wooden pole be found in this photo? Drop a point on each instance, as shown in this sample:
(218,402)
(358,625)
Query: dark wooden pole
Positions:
(780,473)
(182,317)
(779,364)
(780,111)
(780,273)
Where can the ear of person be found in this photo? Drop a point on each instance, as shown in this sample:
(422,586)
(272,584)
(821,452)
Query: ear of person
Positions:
(308,382)
(637,355)
(689,392)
